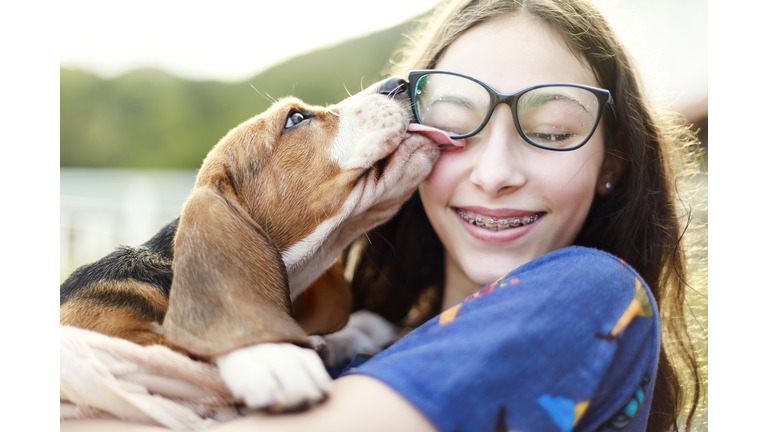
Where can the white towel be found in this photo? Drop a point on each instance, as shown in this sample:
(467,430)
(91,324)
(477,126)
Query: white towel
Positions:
(107,377)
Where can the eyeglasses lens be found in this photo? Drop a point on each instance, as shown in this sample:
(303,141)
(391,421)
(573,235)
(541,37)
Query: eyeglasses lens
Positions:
(554,116)
(557,116)
(451,103)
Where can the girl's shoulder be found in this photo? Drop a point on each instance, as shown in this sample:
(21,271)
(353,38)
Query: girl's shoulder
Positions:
(573,283)
(578,263)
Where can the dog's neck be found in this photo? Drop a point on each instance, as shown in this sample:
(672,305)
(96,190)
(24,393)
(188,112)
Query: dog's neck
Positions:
(309,258)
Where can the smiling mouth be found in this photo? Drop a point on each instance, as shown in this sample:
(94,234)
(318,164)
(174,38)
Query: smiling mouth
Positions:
(500,224)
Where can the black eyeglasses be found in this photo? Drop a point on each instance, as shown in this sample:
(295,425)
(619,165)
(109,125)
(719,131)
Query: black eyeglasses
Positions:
(550,116)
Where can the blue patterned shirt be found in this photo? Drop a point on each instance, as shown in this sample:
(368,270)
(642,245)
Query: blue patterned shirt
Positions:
(567,342)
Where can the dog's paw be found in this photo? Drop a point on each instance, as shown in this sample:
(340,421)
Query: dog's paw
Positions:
(381,331)
(275,376)
(365,333)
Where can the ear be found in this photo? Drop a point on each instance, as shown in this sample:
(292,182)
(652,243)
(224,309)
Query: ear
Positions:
(324,306)
(230,286)
(609,175)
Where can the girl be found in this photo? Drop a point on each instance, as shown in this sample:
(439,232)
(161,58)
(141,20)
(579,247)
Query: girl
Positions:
(564,179)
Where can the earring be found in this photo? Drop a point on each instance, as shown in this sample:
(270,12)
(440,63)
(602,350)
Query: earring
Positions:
(608,185)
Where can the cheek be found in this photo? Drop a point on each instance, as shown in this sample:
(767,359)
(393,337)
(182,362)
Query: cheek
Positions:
(572,180)
(569,190)
(436,191)
(572,176)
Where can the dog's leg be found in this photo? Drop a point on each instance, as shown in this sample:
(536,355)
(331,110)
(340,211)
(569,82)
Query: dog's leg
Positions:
(324,306)
(286,377)
(365,333)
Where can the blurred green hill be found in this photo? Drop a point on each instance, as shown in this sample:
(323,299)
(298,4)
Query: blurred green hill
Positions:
(150,119)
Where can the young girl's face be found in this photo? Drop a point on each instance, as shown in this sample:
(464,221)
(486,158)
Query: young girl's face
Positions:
(498,174)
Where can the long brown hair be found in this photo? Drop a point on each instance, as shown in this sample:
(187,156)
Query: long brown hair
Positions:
(401,272)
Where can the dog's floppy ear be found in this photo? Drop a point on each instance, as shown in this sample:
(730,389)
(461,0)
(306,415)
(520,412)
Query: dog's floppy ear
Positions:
(230,286)
(324,306)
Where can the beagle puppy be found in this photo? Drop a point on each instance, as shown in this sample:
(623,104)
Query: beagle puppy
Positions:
(245,273)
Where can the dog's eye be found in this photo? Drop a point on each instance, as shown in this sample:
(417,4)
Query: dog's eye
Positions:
(293,119)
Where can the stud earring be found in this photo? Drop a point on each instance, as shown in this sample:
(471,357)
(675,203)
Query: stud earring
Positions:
(608,185)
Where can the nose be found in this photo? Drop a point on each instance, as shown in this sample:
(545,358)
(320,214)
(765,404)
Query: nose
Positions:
(498,168)
(393,86)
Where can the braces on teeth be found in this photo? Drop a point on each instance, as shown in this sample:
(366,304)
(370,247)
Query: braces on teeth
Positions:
(489,222)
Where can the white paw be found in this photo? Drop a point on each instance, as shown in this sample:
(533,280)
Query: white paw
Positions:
(381,331)
(275,376)
(366,333)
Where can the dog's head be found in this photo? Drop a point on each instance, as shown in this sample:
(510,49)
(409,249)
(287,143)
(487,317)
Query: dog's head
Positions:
(276,201)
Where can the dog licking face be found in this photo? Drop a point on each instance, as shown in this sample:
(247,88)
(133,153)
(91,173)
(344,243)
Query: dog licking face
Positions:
(274,203)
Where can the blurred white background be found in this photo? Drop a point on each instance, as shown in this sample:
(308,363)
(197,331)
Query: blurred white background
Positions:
(669,38)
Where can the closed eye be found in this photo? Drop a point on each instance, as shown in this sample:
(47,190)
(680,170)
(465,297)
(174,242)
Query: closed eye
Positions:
(294,118)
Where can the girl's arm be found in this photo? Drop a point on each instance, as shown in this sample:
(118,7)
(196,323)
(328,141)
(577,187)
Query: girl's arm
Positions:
(358,402)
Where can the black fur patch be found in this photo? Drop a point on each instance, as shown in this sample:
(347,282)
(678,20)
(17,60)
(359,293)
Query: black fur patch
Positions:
(150,263)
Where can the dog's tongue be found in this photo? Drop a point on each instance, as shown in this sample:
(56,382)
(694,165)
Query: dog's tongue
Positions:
(447,144)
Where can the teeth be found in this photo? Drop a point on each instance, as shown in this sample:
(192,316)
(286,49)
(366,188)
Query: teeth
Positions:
(496,225)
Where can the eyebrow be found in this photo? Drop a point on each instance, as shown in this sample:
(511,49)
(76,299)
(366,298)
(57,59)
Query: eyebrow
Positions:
(543,98)
(467,103)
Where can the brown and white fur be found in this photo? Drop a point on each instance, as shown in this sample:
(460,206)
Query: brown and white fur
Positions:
(275,202)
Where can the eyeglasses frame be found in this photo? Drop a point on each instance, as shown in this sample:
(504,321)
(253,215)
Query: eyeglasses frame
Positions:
(603,98)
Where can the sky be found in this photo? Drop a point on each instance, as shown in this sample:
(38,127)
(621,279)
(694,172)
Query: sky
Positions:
(238,38)
(230,41)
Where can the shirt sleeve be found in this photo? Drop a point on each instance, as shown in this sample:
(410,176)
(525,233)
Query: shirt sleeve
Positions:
(562,343)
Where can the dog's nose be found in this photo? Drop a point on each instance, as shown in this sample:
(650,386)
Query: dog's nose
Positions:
(393,86)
